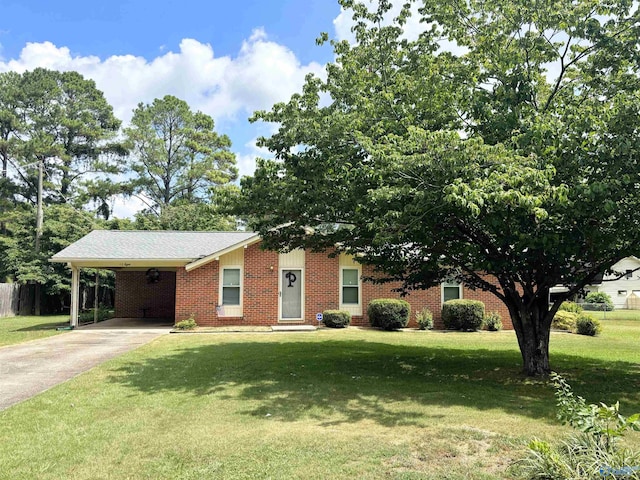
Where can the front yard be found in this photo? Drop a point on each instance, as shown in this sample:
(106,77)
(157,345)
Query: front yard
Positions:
(331,404)
(22,329)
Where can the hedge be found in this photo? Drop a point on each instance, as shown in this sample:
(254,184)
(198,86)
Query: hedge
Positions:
(466,315)
(388,313)
(336,318)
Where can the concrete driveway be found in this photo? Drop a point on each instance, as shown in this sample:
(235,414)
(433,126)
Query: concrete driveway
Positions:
(30,368)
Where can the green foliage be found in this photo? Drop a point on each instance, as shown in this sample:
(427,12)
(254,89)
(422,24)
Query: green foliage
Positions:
(465,315)
(212,215)
(595,453)
(388,313)
(178,155)
(493,322)
(509,160)
(564,320)
(63,225)
(598,301)
(586,325)
(424,319)
(188,324)
(336,318)
(572,307)
(64,121)
(88,316)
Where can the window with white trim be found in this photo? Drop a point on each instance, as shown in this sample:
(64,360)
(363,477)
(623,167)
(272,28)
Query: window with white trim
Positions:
(231,286)
(451,291)
(350,286)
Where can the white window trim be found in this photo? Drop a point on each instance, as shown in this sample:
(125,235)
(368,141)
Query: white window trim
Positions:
(302,295)
(449,284)
(233,308)
(350,305)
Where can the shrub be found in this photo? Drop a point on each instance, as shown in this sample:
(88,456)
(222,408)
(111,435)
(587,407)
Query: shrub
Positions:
(466,315)
(188,324)
(493,322)
(424,319)
(88,317)
(572,307)
(586,325)
(594,453)
(598,301)
(564,321)
(336,318)
(388,313)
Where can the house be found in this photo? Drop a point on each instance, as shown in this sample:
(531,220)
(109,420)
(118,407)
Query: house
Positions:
(624,286)
(225,278)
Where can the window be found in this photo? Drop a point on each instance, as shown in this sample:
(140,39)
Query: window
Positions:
(350,286)
(628,274)
(231,286)
(451,291)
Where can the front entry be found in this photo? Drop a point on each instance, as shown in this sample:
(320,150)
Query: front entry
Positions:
(291,291)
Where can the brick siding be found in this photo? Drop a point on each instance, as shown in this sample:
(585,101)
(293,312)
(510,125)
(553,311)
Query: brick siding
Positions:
(197,292)
(136,298)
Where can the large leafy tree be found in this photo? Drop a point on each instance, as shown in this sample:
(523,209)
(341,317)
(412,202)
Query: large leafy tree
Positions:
(64,121)
(61,122)
(509,160)
(177,155)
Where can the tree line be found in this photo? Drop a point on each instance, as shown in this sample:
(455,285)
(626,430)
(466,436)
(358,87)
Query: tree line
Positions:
(65,157)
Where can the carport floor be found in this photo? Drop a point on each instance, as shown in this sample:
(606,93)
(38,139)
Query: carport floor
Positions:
(30,368)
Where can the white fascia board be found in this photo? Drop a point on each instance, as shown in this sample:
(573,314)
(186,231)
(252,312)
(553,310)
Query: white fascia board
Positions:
(123,262)
(216,255)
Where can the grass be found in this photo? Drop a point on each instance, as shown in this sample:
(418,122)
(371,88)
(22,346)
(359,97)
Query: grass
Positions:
(22,329)
(331,404)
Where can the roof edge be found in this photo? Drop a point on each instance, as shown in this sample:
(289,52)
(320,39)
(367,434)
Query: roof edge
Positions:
(215,255)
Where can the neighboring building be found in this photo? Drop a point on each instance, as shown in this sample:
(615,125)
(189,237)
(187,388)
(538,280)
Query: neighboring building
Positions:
(624,291)
(225,278)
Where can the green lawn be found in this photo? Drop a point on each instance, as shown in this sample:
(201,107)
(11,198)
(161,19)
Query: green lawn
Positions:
(337,404)
(22,329)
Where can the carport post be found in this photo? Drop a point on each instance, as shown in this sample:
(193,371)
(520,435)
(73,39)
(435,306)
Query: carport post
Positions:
(75,290)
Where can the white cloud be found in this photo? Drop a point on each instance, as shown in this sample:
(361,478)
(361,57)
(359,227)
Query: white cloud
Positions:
(262,73)
(228,88)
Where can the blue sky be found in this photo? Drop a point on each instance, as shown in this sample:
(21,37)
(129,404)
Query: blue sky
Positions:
(225,58)
(144,27)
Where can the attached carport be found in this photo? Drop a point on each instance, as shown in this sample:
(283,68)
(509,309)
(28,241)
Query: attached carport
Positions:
(145,264)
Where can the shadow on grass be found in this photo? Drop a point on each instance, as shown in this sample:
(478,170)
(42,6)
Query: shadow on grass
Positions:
(41,326)
(348,380)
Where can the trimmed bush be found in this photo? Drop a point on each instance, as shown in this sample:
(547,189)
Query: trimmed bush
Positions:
(564,321)
(424,319)
(586,325)
(336,318)
(188,324)
(465,315)
(572,307)
(598,301)
(493,322)
(388,313)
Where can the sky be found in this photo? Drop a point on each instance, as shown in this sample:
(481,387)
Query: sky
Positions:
(225,58)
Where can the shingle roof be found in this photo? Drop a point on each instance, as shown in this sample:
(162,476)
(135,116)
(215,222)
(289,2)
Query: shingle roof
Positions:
(151,245)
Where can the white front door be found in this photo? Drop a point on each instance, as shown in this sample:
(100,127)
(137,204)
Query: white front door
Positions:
(291,283)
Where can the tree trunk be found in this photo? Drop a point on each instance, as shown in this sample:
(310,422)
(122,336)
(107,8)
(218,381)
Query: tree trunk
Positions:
(532,324)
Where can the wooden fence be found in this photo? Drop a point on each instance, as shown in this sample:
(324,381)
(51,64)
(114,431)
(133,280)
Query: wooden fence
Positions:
(9,299)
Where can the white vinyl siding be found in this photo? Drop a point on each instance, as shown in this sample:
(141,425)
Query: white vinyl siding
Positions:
(623,291)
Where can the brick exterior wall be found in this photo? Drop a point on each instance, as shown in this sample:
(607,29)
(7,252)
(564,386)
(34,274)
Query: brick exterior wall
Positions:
(197,292)
(136,298)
